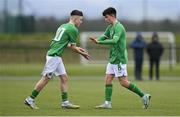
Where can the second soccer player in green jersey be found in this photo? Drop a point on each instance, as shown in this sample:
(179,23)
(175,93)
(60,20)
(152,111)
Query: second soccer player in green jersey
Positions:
(115,35)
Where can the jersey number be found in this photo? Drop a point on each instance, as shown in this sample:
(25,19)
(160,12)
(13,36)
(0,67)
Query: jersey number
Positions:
(59,34)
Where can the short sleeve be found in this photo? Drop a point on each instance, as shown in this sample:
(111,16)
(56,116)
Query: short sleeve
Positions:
(73,35)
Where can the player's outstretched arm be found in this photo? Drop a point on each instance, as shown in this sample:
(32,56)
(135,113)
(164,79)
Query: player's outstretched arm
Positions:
(80,51)
(84,53)
(105,42)
(94,40)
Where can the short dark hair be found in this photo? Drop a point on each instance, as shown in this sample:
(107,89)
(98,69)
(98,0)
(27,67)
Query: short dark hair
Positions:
(76,12)
(109,11)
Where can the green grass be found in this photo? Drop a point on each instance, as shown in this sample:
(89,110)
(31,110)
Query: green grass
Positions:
(33,69)
(87,92)
(177,35)
(86,87)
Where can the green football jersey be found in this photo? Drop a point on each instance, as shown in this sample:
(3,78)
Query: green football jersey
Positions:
(66,33)
(115,35)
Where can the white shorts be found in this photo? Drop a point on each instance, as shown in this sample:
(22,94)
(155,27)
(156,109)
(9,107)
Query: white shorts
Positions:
(53,66)
(119,70)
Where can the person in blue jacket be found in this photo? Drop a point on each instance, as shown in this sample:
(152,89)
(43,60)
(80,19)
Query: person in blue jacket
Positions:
(138,45)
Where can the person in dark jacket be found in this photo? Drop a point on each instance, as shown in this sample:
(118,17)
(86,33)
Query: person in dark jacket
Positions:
(138,45)
(155,51)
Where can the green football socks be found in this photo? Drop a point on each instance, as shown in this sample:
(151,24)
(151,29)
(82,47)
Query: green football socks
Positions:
(108,92)
(132,87)
(64,96)
(34,94)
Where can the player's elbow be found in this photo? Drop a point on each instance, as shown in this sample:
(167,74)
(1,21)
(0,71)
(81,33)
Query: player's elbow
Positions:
(115,41)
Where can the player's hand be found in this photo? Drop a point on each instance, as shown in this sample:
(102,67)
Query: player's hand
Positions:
(84,53)
(81,49)
(87,56)
(93,40)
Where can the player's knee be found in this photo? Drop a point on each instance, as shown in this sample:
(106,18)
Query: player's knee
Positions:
(64,78)
(49,75)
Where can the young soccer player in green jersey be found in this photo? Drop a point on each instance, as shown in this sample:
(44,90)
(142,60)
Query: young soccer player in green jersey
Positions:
(115,35)
(66,36)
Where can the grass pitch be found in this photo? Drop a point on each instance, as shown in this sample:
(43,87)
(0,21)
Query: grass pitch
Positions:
(34,69)
(88,92)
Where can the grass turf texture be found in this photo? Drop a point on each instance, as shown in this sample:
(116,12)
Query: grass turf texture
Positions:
(33,69)
(88,92)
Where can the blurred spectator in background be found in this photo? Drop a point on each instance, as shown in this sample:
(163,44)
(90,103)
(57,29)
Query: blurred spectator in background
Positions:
(155,51)
(138,46)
